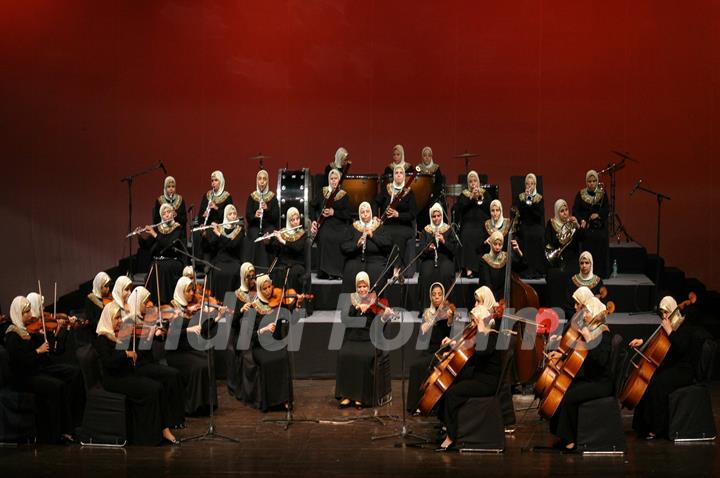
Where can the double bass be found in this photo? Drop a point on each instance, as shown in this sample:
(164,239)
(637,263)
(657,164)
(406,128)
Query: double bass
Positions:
(647,359)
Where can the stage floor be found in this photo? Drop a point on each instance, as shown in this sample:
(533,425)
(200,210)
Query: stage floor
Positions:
(334,447)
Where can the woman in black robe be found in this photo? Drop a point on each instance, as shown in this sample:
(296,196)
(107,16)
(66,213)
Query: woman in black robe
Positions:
(366,249)
(591,210)
(479,377)
(437,263)
(496,223)
(398,159)
(334,229)
(357,378)
(472,210)
(340,163)
(211,210)
(428,167)
(148,411)
(237,384)
(58,387)
(531,231)
(167,267)
(226,246)
(494,263)
(289,246)
(170,196)
(399,223)
(650,418)
(94,306)
(562,232)
(584,278)
(436,321)
(185,329)
(262,213)
(593,380)
(268,373)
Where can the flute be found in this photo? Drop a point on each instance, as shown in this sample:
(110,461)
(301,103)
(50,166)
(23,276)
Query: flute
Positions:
(210,226)
(279,231)
(139,230)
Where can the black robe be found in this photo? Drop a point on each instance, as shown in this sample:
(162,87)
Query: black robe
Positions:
(420,368)
(237,383)
(291,256)
(93,310)
(59,388)
(373,261)
(472,217)
(257,252)
(531,234)
(492,274)
(357,376)
(444,272)
(438,181)
(595,240)
(180,211)
(333,233)
(227,254)
(214,215)
(573,284)
(166,260)
(402,228)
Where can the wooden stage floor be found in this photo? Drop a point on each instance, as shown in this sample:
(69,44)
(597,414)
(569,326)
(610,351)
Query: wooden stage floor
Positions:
(336,448)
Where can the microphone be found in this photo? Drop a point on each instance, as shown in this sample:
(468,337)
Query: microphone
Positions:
(162,166)
(635,188)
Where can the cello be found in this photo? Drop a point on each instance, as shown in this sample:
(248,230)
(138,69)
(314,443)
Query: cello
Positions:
(647,360)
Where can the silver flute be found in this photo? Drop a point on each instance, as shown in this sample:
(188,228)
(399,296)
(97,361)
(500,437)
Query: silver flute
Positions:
(210,226)
(140,229)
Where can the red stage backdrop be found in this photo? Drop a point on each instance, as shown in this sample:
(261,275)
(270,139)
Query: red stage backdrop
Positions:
(95,90)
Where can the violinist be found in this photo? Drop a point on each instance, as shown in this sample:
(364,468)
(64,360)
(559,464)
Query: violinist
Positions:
(591,209)
(289,246)
(437,263)
(399,223)
(593,380)
(170,196)
(398,159)
(262,213)
(531,231)
(56,327)
(245,295)
(437,320)
(650,419)
(473,209)
(494,263)
(225,244)
(145,397)
(340,162)
(429,167)
(334,229)
(268,374)
(356,377)
(161,242)
(58,387)
(192,363)
(479,377)
(94,303)
(366,249)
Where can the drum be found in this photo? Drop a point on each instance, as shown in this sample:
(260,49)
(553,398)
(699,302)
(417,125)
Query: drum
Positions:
(361,187)
(454,190)
(422,187)
(293,190)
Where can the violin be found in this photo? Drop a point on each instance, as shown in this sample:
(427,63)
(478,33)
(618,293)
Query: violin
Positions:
(289,299)
(53,322)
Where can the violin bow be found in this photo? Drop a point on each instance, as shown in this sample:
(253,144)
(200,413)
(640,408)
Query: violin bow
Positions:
(282,297)
(42,308)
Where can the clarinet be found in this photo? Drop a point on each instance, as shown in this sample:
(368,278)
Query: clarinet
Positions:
(262,213)
(364,239)
(437,244)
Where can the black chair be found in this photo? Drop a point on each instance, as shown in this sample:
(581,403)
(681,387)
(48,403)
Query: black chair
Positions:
(600,427)
(690,408)
(104,421)
(17,409)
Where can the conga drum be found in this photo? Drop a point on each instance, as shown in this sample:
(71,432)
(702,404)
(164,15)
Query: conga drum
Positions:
(361,187)
(422,187)
(293,190)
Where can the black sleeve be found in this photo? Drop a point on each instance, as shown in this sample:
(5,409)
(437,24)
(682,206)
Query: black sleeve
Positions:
(22,354)
(156,212)
(111,358)
(342,208)
(181,217)
(577,209)
(410,211)
(600,355)
(272,213)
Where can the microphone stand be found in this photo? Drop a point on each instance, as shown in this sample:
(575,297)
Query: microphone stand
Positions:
(129,180)
(659,197)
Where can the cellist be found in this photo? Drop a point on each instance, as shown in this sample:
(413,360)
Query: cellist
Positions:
(650,419)
(592,381)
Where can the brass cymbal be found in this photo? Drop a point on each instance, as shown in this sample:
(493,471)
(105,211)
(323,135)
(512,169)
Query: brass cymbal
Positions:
(259,157)
(466,155)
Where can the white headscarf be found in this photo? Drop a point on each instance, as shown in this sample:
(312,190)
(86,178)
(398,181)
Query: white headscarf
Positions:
(179,294)
(164,208)
(433,309)
(330,173)
(496,236)
(36,303)
(340,156)
(668,304)
(362,205)
(472,173)
(139,296)
(588,256)
(480,312)
(188,272)
(485,295)
(122,283)
(219,175)
(422,153)
(105,324)
(244,269)
(226,212)
(290,213)
(100,280)
(595,307)
(259,282)
(558,205)
(400,148)
(497,225)
(17,306)
(398,187)
(534,178)
(582,295)
(362,276)
(169,180)
(433,208)
(267,184)
(591,173)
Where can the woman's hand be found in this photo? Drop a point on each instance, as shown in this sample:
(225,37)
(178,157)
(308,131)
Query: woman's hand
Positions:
(554,355)
(268,328)
(328,212)
(426,326)
(194,329)
(132,355)
(43,349)
(246,307)
(635,343)
(392,213)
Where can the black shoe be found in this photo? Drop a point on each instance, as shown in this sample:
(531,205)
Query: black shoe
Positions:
(323,275)
(449,448)
(167,441)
